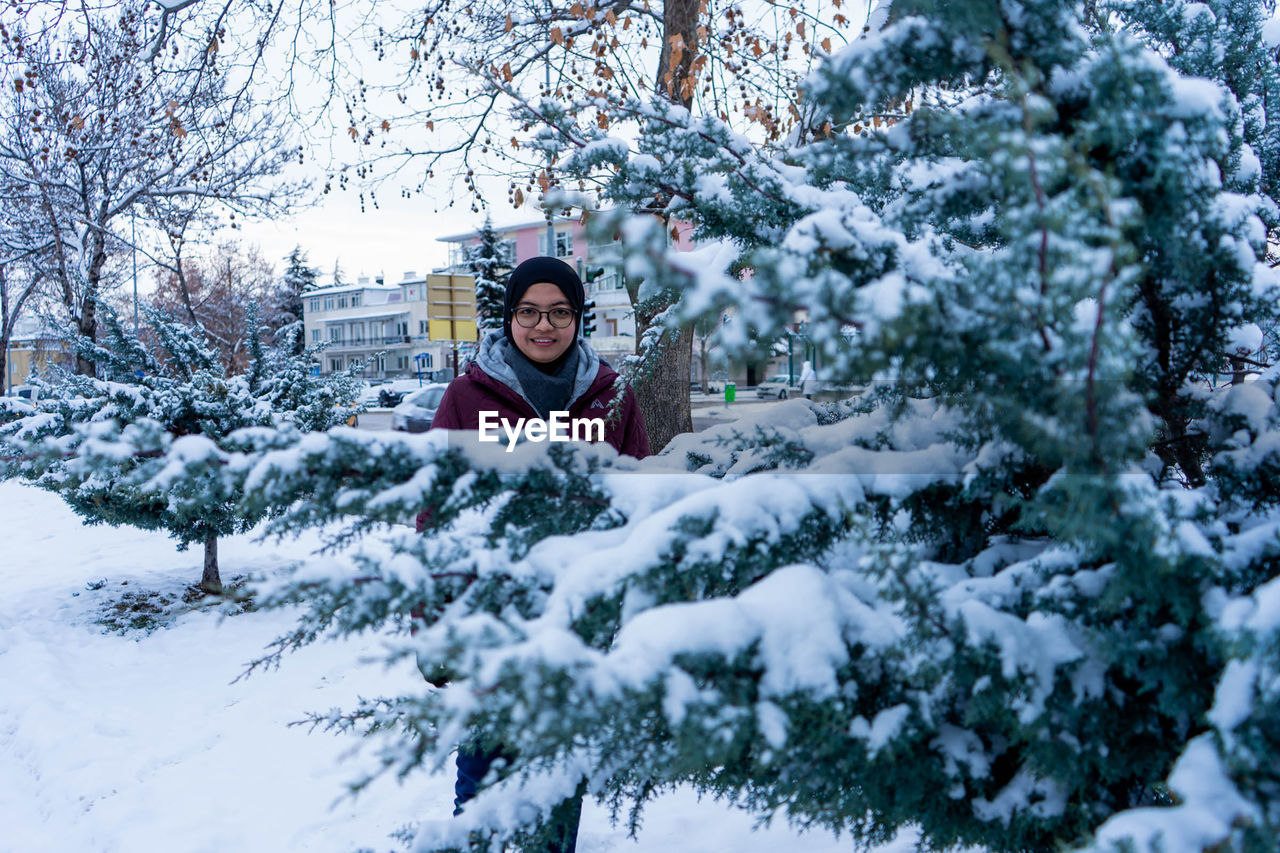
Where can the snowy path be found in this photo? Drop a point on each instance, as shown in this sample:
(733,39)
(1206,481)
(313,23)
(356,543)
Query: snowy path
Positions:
(141,742)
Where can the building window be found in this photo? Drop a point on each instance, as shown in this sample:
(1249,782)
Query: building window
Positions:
(402,362)
(316,336)
(507,252)
(610,326)
(335,334)
(342,300)
(313,305)
(355,300)
(402,329)
(423,325)
(328,303)
(564,243)
(335,364)
(357,333)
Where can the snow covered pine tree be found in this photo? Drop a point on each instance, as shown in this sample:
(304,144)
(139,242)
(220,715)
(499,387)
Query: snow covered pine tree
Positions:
(284,302)
(1021,593)
(146,445)
(490,265)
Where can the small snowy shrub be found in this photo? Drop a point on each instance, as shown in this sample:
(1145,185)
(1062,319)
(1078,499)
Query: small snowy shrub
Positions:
(147,444)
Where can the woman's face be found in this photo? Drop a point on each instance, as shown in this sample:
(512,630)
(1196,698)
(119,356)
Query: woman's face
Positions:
(543,343)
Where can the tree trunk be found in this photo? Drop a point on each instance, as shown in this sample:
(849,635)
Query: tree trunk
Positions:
(87,326)
(679,49)
(663,395)
(4,330)
(11,307)
(87,323)
(211,581)
(1238,372)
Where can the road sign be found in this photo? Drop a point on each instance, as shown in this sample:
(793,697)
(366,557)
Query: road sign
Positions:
(451,308)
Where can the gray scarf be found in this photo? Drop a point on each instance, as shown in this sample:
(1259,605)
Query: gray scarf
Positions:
(547,392)
(498,358)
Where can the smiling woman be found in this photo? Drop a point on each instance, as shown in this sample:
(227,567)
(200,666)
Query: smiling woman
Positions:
(537,370)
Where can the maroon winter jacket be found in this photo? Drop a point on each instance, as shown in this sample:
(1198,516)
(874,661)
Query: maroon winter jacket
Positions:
(476,391)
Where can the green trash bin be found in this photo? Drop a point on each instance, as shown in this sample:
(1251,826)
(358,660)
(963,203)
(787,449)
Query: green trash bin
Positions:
(730,392)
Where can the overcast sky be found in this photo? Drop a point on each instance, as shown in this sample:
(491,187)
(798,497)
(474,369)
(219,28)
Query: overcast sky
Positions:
(398,236)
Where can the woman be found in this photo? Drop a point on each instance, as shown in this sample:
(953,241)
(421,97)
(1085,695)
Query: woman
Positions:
(538,364)
(535,366)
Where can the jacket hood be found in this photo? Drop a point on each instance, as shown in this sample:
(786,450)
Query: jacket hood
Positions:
(491,358)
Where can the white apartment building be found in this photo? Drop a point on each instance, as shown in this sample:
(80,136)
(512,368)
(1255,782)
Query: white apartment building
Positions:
(392,330)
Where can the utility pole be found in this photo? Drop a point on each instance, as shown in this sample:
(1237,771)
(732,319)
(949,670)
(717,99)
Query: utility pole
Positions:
(551,226)
(133,240)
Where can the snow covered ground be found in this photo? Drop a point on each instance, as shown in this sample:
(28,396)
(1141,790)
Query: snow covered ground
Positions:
(146,741)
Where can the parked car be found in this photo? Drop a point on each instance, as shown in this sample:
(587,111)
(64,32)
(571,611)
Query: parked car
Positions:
(418,409)
(18,398)
(369,394)
(779,386)
(30,393)
(393,393)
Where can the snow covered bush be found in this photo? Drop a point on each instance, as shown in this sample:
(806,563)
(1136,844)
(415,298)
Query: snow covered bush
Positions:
(146,444)
(1020,593)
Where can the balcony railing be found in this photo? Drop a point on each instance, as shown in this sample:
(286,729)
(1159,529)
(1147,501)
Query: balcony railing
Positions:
(392,340)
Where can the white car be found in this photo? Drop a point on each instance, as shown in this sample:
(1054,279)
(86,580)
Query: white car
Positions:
(418,409)
(30,393)
(779,386)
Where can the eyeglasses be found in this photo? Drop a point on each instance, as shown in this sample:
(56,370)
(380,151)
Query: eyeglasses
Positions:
(560,318)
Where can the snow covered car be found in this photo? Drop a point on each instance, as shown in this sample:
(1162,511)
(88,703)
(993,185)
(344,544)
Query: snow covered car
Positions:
(778,386)
(369,393)
(30,393)
(418,409)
